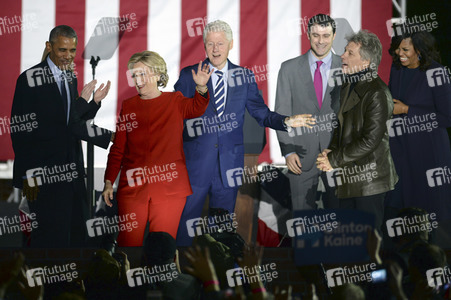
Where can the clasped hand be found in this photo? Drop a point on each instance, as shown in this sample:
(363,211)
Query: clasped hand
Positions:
(322,162)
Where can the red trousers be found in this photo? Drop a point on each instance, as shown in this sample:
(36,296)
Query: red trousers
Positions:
(162,211)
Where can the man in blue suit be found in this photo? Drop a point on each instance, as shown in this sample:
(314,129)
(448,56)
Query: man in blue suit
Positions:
(213,143)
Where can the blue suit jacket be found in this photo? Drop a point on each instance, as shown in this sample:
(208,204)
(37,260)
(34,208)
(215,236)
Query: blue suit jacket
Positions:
(208,138)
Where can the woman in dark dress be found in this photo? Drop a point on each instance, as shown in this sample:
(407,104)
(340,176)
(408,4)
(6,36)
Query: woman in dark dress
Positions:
(419,142)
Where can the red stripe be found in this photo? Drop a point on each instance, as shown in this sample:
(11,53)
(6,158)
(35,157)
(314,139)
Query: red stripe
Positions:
(10,70)
(192,45)
(72,13)
(266,237)
(310,9)
(253,49)
(131,42)
(374,16)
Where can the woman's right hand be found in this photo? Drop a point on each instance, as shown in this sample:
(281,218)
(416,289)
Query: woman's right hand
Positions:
(399,107)
(107,193)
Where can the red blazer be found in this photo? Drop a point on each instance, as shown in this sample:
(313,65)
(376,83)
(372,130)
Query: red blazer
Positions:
(148,146)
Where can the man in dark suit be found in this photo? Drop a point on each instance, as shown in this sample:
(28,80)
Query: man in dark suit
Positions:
(302,86)
(213,143)
(48,162)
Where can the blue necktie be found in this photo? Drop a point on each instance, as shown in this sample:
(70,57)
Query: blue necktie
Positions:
(219,94)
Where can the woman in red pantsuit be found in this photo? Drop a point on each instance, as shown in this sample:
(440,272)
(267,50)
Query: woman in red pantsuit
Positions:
(148,150)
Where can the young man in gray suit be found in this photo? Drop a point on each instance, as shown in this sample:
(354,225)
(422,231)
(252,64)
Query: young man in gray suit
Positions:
(302,87)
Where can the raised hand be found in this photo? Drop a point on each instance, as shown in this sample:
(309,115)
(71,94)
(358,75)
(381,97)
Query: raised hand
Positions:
(202,267)
(99,94)
(102,92)
(203,74)
(305,120)
(373,245)
(252,256)
(87,90)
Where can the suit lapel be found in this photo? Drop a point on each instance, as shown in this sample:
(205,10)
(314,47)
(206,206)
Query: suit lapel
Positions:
(343,99)
(336,63)
(232,71)
(211,106)
(72,82)
(54,90)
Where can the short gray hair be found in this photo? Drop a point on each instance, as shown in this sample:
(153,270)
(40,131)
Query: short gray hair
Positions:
(218,26)
(62,30)
(370,46)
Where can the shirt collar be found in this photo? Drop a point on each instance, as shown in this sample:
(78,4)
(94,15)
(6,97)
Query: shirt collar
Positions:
(223,70)
(55,70)
(313,59)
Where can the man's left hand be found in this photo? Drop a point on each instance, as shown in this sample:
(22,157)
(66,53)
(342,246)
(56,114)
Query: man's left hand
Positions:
(322,162)
(102,92)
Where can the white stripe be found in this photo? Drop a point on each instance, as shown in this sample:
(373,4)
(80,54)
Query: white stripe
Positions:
(267,216)
(351,11)
(227,11)
(220,99)
(220,106)
(218,91)
(106,70)
(283,44)
(164,35)
(33,40)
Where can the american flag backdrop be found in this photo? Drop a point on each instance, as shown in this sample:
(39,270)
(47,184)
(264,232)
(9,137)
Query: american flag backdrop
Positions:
(266,33)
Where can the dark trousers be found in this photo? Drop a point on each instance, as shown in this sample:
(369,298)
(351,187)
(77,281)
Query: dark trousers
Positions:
(304,190)
(60,210)
(373,204)
(330,200)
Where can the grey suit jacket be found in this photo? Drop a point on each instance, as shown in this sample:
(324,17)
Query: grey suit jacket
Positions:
(296,95)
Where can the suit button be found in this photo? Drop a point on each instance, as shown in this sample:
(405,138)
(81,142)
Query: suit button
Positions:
(216,145)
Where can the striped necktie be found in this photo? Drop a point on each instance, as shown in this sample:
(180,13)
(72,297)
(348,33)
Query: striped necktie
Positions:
(219,94)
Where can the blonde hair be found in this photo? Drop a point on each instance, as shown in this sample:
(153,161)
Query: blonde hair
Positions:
(154,61)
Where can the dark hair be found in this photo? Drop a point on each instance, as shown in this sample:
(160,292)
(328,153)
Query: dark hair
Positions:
(411,212)
(427,256)
(323,20)
(62,30)
(422,41)
(159,248)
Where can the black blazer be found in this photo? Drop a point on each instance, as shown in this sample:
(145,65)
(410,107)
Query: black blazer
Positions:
(51,141)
